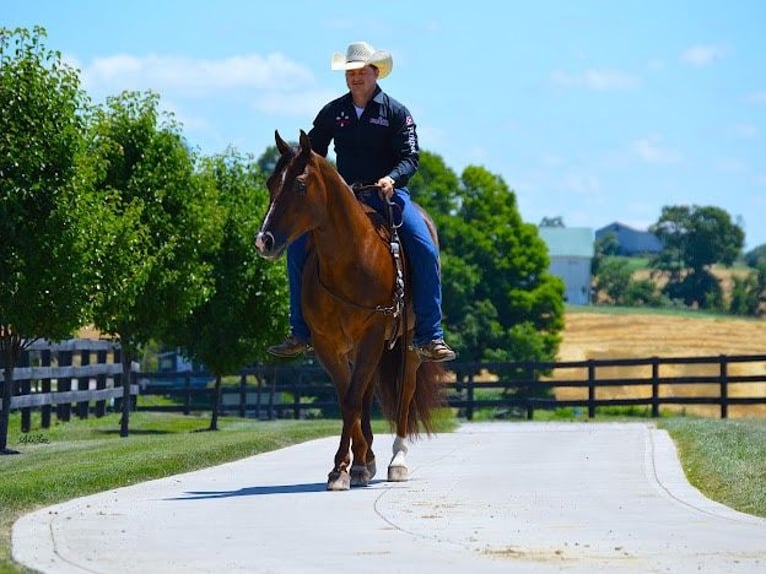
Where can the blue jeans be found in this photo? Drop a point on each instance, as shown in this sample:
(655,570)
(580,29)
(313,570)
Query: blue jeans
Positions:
(423,258)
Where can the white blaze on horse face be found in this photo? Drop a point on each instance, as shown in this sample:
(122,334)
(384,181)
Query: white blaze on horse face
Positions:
(260,245)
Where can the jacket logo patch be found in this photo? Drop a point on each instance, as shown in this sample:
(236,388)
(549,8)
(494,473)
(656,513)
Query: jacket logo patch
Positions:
(380,121)
(342,119)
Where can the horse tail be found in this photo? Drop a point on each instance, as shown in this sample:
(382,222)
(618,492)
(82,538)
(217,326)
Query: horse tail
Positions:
(428,394)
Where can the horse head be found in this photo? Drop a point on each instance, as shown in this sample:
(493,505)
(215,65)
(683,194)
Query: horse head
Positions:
(296,202)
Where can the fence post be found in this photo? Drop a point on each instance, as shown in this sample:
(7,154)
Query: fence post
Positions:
(117,358)
(100,384)
(724,386)
(45,410)
(655,387)
(297,397)
(272,393)
(187,395)
(243,395)
(83,383)
(469,397)
(25,388)
(531,391)
(591,389)
(258,389)
(64,410)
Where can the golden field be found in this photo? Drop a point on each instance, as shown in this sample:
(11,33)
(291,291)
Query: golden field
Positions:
(613,335)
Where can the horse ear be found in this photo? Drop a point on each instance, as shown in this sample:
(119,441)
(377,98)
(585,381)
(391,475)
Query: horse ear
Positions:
(305,142)
(282,145)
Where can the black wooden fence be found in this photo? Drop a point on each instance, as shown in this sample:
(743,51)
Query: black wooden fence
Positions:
(300,391)
(288,390)
(80,375)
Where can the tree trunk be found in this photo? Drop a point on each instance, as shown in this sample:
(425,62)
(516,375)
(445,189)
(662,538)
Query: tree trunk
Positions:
(9,347)
(127,378)
(216,404)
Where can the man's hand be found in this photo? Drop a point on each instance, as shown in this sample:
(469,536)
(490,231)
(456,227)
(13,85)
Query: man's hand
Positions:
(386,185)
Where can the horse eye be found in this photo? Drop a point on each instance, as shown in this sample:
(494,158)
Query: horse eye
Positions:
(300,187)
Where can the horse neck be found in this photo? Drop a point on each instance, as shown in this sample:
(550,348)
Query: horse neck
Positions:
(340,237)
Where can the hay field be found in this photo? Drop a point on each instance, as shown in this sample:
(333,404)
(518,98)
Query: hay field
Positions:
(612,335)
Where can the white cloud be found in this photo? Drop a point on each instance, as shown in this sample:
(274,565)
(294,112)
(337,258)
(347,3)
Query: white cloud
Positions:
(652,151)
(194,78)
(597,80)
(702,55)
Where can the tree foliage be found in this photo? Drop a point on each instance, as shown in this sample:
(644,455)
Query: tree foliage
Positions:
(247,309)
(43,247)
(499,301)
(163,220)
(694,238)
(756,256)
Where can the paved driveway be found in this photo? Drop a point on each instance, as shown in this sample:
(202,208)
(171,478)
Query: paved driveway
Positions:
(491,497)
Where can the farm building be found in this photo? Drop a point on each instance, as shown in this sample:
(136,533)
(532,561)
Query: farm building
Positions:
(631,241)
(571,251)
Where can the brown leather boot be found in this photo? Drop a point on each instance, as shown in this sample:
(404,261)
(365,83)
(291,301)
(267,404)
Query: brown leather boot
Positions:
(436,352)
(291,347)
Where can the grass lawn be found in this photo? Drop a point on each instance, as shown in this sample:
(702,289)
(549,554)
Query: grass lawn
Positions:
(724,459)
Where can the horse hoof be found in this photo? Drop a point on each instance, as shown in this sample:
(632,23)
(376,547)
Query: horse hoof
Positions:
(371,468)
(360,476)
(398,474)
(338,481)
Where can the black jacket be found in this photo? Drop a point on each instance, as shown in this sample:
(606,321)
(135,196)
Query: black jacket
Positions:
(383,141)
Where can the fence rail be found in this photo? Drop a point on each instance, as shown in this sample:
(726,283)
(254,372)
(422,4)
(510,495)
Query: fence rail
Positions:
(300,391)
(83,374)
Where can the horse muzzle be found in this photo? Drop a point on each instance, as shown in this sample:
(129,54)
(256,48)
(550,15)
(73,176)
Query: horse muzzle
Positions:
(267,246)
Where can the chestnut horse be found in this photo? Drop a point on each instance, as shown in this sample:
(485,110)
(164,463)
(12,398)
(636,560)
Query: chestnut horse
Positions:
(361,334)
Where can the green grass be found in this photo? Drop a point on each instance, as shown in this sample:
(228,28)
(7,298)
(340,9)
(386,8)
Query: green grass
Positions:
(726,460)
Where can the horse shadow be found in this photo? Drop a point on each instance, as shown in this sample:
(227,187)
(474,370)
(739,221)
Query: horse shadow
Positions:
(260,491)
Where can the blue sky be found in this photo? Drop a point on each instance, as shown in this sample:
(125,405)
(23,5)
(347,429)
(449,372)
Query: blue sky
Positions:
(593,110)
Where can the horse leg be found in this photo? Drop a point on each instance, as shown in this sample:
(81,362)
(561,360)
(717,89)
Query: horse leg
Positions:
(339,478)
(352,439)
(338,370)
(359,399)
(397,468)
(363,468)
(369,461)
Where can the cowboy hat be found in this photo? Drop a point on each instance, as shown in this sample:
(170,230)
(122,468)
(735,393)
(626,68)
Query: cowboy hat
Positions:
(361,54)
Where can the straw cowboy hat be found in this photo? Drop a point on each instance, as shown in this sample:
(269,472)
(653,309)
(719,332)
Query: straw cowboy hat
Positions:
(361,54)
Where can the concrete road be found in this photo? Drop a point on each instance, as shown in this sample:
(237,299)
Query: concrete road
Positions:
(491,497)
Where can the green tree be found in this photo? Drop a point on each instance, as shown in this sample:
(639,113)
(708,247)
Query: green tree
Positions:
(499,301)
(612,280)
(248,306)
(749,293)
(43,246)
(435,187)
(694,238)
(163,222)
(756,256)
